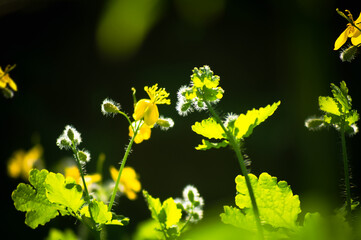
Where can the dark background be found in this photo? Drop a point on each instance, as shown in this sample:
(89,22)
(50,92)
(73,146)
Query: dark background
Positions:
(68,61)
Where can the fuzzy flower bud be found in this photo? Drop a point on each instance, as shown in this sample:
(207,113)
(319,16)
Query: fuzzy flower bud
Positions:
(69,136)
(109,107)
(348,54)
(165,123)
(84,156)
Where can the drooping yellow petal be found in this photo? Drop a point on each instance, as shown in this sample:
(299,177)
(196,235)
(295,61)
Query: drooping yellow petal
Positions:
(143,133)
(129,183)
(12,84)
(151,115)
(2,83)
(140,108)
(356,40)
(15,164)
(341,39)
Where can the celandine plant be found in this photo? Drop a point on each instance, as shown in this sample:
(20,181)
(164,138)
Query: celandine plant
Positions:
(202,93)
(338,113)
(352,31)
(168,215)
(50,194)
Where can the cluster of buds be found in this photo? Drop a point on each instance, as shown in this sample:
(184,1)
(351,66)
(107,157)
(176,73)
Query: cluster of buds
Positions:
(203,88)
(191,203)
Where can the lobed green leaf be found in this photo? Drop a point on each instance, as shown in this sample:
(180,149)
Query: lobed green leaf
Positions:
(205,145)
(209,128)
(32,200)
(64,192)
(167,213)
(276,202)
(245,123)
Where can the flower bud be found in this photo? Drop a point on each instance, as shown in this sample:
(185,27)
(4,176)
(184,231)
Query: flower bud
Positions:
(348,54)
(109,107)
(165,123)
(84,156)
(314,123)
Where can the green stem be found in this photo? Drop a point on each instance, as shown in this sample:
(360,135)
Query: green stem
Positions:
(87,196)
(235,145)
(127,151)
(346,171)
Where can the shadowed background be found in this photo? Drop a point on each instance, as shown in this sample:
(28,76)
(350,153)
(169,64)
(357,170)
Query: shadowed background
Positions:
(70,55)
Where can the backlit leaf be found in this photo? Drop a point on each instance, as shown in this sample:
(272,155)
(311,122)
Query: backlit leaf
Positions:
(245,123)
(205,145)
(64,191)
(329,105)
(32,200)
(209,128)
(276,202)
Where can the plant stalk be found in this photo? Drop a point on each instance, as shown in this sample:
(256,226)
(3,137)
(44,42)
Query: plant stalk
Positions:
(236,147)
(127,151)
(346,172)
(87,196)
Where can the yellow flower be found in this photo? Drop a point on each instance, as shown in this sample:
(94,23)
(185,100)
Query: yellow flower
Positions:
(147,108)
(22,162)
(350,32)
(6,80)
(129,183)
(74,173)
(143,133)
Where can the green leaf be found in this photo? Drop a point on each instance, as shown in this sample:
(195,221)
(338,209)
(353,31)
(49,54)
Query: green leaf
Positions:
(154,205)
(234,216)
(208,145)
(245,123)
(341,95)
(99,211)
(167,213)
(329,105)
(276,202)
(118,220)
(173,213)
(209,128)
(64,191)
(56,234)
(32,200)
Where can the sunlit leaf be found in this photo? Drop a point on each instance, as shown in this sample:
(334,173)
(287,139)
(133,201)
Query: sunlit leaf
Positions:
(205,145)
(245,123)
(209,128)
(32,200)
(64,191)
(329,105)
(276,202)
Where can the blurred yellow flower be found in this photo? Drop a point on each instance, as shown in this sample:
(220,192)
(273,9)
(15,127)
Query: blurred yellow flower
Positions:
(21,162)
(350,32)
(6,80)
(143,133)
(129,183)
(147,108)
(74,173)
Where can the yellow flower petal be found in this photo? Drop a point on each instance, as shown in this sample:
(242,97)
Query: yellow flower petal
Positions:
(12,84)
(143,133)
(129,183)
(151,115)
(15,164)
(356,40)
(342,39)
(140,108)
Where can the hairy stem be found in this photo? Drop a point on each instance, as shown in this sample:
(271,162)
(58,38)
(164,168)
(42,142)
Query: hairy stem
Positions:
(87,196)
(127,151)
(346,172)
(236,147)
